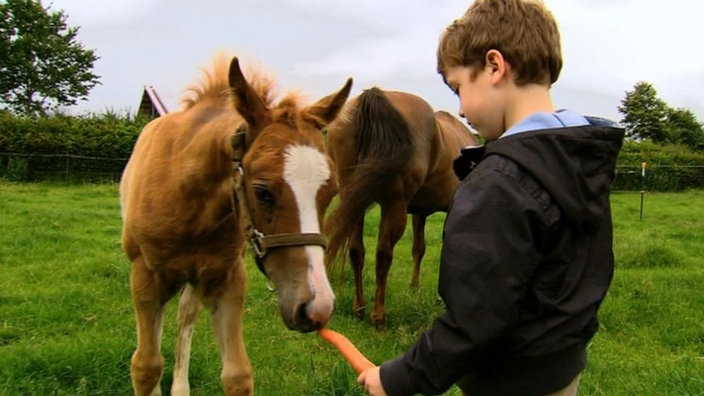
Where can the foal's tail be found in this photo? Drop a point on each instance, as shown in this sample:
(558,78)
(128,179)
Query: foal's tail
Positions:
(384,147)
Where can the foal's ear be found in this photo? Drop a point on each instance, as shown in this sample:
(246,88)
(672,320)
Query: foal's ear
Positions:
(247,101)
(326,109)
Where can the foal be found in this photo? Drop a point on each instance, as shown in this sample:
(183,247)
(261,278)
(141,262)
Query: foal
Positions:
(231,167)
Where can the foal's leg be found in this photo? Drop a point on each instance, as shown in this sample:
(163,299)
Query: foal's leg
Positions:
(418,246)
(148,299)
(188,309)
(228,309)
(393,223)
(357,252)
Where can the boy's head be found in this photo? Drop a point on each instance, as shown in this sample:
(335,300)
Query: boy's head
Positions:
(524,31)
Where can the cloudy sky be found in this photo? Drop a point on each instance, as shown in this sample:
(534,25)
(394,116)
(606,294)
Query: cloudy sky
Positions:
(314,45)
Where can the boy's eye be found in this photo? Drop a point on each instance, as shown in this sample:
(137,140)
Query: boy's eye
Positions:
(456,90)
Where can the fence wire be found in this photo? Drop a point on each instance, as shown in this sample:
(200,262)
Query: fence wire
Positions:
(81,168)
(61,167)
(659,178)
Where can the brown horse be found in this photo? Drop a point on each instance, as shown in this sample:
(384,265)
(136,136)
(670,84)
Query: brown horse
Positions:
(187,217)
(392,149)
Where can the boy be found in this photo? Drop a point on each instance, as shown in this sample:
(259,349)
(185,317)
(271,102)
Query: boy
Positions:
(527,252)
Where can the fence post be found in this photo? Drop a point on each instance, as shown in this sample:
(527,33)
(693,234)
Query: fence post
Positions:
(642,188)
(68,166)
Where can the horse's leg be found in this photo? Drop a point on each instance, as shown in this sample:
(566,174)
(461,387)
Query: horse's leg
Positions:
(392,225)
(227,310)
(188,309)
(418,246)
(357,252)
(148,299)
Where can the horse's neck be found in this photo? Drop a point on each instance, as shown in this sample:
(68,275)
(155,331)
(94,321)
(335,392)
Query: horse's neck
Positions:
(207,155)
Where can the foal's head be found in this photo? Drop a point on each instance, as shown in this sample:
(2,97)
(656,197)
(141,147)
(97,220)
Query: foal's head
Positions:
(288,182)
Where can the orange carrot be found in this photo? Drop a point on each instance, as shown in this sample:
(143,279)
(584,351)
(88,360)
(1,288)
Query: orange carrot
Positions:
(347,349)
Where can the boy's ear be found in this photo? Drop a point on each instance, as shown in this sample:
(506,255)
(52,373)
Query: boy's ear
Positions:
(496,62)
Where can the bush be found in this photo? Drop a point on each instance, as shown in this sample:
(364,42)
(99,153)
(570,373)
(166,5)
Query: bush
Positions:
(84,148)
(17,169)
(106,135)
(96,147)
(668,167)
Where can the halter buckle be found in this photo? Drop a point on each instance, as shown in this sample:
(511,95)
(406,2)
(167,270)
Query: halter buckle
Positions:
(255,240)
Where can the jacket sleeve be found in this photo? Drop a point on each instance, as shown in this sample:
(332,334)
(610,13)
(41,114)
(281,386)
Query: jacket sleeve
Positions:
(487,258)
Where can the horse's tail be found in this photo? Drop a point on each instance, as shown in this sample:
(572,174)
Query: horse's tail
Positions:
(382,132)
(384,147)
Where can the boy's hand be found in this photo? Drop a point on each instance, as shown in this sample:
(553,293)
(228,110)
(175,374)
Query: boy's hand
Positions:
(371,382)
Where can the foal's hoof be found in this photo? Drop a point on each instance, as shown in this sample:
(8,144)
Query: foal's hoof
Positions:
(380,325)
(360,312)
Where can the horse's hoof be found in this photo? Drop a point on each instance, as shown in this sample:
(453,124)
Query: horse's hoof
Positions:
(380,326)
(360,312)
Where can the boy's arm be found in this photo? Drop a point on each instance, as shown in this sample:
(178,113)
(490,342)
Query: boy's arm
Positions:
(488,254)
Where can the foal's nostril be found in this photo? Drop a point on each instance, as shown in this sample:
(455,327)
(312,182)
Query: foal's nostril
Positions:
(303,321)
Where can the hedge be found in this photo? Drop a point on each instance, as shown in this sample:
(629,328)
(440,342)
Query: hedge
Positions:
(66,147)
(96,147)
(108,135)
(667,167)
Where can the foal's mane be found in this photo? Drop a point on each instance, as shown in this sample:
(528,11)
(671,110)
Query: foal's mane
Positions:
(213,87)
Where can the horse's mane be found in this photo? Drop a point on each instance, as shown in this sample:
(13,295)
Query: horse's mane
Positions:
(214,84)
(213,87)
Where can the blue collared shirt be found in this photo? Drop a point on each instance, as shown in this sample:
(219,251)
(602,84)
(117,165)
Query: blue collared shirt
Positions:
(544,120)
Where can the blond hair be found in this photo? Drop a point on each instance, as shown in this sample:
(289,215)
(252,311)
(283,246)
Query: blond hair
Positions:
(524,31)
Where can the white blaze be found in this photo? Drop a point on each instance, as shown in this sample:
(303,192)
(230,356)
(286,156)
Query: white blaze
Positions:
(306,170)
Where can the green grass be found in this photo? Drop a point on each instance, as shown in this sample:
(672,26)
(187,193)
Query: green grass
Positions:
(67,328)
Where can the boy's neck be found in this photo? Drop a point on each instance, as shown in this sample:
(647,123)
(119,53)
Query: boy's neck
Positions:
(526,100)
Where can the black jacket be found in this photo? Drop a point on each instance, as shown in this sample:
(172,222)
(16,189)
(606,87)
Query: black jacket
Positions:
(526,261)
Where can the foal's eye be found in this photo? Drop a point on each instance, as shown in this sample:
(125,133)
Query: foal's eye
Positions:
(263,195)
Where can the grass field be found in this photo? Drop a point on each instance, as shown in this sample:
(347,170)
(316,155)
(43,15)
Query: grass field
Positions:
(67,328)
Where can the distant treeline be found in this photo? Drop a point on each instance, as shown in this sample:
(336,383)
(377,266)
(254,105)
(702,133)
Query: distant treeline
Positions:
(96,148)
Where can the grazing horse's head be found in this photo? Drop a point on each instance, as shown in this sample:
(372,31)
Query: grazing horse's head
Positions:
(286,183)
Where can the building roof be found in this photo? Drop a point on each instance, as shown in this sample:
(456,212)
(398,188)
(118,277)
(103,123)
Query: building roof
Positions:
(151,104)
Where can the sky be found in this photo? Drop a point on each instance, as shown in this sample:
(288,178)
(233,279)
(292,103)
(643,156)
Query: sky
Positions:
(313,46)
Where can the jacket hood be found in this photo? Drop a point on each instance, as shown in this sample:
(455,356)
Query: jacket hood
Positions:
(575,165)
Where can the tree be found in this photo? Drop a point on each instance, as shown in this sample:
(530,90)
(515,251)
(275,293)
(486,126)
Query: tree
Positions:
(683,127)
(644,113)
(42,66)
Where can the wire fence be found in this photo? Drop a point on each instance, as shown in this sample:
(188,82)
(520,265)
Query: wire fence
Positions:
(658,178)
(61,167)
(82,169)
